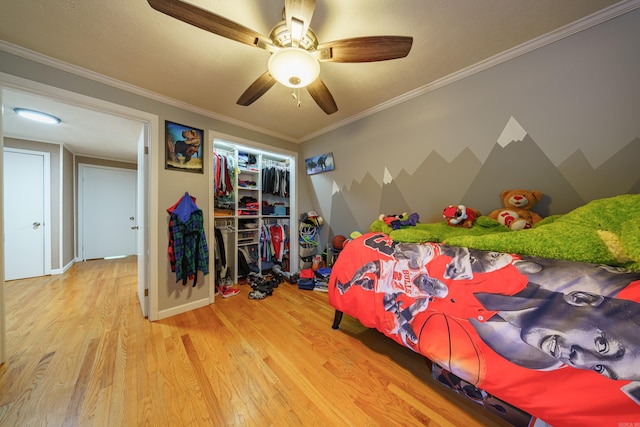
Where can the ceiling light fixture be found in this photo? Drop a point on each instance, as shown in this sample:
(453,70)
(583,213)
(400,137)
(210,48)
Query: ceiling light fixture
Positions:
(293,67)
(38,116)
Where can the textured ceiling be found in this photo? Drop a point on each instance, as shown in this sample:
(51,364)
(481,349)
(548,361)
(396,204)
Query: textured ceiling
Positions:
(129,41)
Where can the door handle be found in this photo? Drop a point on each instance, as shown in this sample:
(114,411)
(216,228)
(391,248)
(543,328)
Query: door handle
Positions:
(36,224)
(135,227)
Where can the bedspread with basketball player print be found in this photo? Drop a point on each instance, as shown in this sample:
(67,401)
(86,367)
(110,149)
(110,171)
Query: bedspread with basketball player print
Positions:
(557,339)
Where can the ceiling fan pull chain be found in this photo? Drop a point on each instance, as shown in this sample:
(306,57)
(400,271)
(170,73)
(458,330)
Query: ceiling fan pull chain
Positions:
(296,96)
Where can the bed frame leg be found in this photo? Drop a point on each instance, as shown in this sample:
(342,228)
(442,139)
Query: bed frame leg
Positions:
(337,317)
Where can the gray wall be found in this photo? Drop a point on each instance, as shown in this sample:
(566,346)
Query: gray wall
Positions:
(563,119)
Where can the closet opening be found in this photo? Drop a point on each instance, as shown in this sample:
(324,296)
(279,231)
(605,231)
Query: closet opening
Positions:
(254,210)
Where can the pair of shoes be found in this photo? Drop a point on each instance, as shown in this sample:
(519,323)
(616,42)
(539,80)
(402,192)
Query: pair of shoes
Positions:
(228,292)
(263,288)
(256,294)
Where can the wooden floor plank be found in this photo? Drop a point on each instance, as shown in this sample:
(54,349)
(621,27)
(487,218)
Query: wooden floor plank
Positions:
(80,353)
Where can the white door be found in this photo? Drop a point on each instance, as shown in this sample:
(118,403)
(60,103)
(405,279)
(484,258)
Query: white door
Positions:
(107,212)
(142,226)
(25,216)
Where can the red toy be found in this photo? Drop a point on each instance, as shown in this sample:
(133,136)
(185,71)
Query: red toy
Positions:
(460,216)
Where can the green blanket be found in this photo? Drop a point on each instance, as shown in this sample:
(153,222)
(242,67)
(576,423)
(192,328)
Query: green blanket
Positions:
(604,231)
(438,231)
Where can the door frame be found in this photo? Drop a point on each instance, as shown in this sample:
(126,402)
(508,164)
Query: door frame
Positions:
(46,202)
(149,219)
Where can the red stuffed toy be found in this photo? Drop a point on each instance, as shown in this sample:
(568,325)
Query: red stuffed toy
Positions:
(460,216)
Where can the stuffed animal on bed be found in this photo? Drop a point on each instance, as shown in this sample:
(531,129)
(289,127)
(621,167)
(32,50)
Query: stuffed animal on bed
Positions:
(388,219)
(397,222)
(460,215)
(517,214)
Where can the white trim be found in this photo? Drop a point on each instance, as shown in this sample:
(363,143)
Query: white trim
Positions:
(163,314)
(60,207)
(65,268)
(152,219)
(211,282)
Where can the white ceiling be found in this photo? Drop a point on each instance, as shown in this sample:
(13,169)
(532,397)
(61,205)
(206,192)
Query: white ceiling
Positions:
(130,42)
(82,130)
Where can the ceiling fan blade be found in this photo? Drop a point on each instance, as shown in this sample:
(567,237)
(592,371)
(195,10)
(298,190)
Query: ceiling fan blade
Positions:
(365,49)
(320,93)
(209,21)
(298,15)
(257,89)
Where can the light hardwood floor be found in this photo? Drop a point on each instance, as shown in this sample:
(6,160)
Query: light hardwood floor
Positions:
(81,354)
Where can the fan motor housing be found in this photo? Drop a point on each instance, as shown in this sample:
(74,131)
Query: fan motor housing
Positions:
(281,37)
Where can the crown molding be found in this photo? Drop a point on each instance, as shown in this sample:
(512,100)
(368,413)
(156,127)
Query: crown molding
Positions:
(585,23)
(118,84)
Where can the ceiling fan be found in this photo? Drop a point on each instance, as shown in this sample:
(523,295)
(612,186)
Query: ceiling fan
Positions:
(295,51)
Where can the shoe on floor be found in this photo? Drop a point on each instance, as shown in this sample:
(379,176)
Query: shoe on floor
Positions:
(264,288)
(228,292)
(255,294)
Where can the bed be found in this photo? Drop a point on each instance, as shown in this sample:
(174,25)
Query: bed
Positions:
(556,336)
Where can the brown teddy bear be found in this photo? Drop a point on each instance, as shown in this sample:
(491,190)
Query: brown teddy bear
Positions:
(517,214)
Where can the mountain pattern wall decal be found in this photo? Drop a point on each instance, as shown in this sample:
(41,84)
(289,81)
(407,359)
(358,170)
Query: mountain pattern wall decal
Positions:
(437,183)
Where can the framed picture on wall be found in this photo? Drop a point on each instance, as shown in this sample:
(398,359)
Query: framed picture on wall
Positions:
(183,148)
(321,163)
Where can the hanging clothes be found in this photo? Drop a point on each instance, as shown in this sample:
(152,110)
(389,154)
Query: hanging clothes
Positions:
(220,254)
(277,241)
(188,251)
(275,180)
(223,173)
(265,243)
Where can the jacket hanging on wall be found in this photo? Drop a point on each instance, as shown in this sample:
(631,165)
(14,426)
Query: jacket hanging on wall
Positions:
(188,251)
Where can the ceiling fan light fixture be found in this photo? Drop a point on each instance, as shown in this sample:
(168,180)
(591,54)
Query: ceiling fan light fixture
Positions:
(37,116)
(293,67)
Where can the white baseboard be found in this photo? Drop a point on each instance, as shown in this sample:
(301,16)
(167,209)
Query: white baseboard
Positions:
(63,269)
(163,314)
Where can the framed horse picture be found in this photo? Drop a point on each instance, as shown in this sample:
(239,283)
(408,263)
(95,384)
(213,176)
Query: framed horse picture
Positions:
(321,163)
